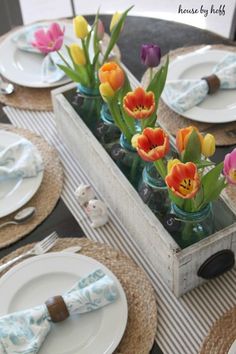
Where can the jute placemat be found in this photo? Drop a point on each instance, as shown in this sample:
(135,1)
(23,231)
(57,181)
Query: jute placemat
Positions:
(225,134)
(222,334)
(39,99)
(47,195)
(142,317)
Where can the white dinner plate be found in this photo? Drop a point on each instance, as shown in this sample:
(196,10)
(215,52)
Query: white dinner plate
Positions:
(33,281)
(24,68)
(232,349)
(217,108)
(15,192)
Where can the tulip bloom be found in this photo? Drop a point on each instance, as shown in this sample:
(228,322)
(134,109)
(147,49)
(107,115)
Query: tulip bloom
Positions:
(106,91)
(208,145)
(183,180)
(112,73)
(77,54)
(50,40)
(153,144)
(134,141)
(114,20)
(81,27)
(150,55)
(230,167)
(183,135)
(139,104)
(100,30)
(171,163)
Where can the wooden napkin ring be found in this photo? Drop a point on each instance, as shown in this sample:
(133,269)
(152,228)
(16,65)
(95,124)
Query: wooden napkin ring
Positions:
(213,83)
(57,309)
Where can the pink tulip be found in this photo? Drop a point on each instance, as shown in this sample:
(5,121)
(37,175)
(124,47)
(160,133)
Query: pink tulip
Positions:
(100,30)
(50,40)
(230,167)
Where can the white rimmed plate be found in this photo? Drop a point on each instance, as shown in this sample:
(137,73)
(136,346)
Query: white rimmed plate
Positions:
(217,108)
(33,281)
(24,68)
(16,192)
(232,349)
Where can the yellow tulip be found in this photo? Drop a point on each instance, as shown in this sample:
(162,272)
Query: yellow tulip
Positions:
(171,163)
(106,91)
(134,141)
(81,27)
(77,54)
(114,20)
(208,145)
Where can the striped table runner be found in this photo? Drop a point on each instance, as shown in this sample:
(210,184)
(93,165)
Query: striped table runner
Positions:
(183,323)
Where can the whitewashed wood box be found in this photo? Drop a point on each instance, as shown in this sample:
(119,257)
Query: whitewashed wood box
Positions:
(177,267)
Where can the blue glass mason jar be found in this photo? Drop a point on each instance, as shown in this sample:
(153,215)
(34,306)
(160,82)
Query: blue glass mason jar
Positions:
(153,191)
(128,160)
(88,103)
(106,131)
(192,227)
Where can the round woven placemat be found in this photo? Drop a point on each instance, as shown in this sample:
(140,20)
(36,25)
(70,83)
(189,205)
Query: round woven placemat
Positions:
(225,134)
(39,99)
(47,195)
(142,310)
(222,334)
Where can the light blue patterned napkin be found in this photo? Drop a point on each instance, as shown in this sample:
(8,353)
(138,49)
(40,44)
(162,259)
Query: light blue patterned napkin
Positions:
(50,72)
(24,332)
(182,95)
(20,159)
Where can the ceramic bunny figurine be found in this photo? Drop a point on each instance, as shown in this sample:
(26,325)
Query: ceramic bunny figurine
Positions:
(84,193)
(97,212)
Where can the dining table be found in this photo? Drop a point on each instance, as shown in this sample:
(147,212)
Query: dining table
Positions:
(169,35)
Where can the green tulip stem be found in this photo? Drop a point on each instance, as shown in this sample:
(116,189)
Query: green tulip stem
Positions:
(150,74)
(161,168)
(115,112)
(89,66)
(64,60)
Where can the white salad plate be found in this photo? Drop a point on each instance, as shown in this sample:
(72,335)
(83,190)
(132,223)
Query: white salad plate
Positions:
(217,108)
(15,192)
(33,281)
(24,68)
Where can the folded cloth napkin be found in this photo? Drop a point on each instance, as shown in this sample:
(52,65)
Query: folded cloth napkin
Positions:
(50,72)
(182,95)
(20,159)
(25,331)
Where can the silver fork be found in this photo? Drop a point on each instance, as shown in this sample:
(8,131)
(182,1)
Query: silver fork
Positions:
(40,248)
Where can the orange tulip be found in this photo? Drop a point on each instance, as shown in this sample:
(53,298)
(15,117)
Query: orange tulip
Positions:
(183,135)
(112,73)
(153,144)
(183,180)
(139,104)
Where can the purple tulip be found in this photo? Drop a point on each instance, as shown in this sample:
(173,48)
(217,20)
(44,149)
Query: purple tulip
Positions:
(150,55)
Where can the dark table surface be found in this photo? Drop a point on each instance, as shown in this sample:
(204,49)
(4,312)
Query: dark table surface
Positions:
(137,30)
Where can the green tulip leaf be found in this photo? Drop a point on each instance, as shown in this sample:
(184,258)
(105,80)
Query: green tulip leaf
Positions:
(150,121)
(193,148)
(158,82)
(129,121)
(213,183)
(95,39)
(175,199)
(115,34)
(72,74)
(204,163)
(69,53)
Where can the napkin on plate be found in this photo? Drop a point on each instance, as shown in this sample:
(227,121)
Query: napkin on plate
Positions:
(50,72)
(20,159)
(182,95)
(25,331)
